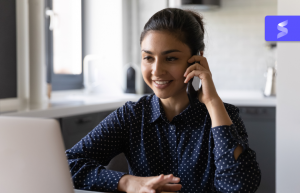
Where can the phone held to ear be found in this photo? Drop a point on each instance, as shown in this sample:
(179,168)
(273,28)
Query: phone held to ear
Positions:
(197,81)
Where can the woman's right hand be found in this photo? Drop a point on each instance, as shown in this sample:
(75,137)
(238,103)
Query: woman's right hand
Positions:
(156,184)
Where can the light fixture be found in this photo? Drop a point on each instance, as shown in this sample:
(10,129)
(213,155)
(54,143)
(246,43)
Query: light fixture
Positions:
(195,4)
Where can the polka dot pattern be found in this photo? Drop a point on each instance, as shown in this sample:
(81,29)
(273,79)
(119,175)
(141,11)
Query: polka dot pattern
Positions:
(186,147)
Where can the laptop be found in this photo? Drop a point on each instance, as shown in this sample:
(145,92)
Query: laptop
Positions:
(32,157)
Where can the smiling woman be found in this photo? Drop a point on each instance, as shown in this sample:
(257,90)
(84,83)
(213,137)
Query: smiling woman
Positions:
(176,139)
(186,32)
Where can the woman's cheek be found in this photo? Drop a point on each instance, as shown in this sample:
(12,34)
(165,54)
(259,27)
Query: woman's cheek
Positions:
(178,73)
(146,72)
(144,69)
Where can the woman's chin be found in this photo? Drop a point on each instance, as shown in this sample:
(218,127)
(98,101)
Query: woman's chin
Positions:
(162,94)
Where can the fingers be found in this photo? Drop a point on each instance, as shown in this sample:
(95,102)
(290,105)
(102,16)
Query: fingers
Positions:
(195,66)
(200,72)
(191,75)
(161,183)
(171,187)
(147,190)
(199,59)
(165,179)
(195,58)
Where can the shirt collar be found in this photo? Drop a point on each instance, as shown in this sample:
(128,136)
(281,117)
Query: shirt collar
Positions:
(156,110)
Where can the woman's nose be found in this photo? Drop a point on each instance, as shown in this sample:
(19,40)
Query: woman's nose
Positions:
(158,68)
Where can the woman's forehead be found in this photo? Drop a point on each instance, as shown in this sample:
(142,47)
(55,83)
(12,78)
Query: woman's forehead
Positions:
(160,41)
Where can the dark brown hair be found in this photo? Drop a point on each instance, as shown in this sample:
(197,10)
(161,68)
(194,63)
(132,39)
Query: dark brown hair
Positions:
(186,25)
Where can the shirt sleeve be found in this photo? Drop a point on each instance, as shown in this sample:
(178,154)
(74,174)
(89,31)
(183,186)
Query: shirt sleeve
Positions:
(88,157)
(241,175)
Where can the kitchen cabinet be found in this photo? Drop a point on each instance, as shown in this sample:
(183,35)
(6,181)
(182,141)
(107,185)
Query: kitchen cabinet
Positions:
(260,123)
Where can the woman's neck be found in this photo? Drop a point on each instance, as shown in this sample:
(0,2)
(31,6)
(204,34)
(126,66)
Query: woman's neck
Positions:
(175,105)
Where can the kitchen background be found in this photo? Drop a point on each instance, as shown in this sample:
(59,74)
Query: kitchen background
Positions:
(236,51)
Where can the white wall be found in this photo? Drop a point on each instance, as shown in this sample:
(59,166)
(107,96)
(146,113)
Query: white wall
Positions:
(103,37)
(288,109)
(235,43)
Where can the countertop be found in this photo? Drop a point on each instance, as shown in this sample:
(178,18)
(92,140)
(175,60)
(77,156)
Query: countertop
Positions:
(76,102)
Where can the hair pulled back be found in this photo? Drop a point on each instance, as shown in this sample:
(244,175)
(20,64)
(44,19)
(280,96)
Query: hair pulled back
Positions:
(186,25)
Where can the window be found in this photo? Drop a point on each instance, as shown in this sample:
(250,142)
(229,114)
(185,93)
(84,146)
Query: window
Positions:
(64,44)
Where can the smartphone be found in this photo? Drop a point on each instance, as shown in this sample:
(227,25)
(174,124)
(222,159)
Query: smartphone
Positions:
(197,81)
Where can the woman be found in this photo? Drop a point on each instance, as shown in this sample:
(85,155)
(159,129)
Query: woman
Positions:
(174,140)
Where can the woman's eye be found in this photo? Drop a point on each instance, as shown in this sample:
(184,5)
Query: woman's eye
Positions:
(147,58)
(171,59)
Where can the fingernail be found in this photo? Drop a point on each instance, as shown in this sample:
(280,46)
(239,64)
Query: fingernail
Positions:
(175,178)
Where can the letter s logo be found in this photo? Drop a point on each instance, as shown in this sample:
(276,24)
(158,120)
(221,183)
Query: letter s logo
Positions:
(281,28)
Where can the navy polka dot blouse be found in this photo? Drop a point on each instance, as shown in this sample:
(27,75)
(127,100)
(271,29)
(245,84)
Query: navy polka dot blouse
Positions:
(201,156)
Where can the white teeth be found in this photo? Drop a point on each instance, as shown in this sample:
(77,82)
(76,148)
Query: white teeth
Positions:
(162,82)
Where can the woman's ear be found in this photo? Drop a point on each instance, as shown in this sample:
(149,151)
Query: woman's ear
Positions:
(201,53)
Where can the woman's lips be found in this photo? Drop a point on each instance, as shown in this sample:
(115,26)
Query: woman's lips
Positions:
(161,86)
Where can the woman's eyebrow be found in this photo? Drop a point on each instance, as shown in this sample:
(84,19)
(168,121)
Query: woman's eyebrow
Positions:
(169,51)
(147,51)
(163,53)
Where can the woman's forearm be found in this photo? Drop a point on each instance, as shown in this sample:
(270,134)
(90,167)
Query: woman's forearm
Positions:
(218,113)
(219,116)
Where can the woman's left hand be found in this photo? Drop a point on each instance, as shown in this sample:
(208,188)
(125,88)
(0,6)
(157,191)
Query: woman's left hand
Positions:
(208,92)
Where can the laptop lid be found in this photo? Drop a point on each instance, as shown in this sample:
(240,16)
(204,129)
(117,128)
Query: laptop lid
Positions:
(32,157)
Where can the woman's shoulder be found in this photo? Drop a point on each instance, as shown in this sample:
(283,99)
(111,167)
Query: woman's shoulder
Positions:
(231,108)
(144,100)
(141,104)
(130,111)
